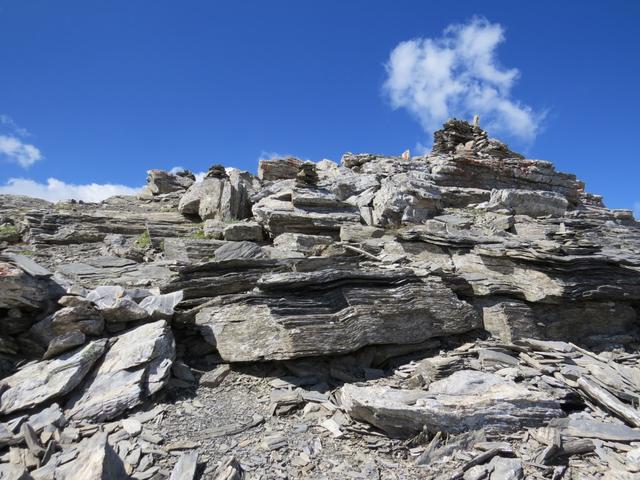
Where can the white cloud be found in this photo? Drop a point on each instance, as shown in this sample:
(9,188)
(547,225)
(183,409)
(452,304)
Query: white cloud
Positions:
(458,75)
(14,150)
(636,210)
(7,121)
(55,190)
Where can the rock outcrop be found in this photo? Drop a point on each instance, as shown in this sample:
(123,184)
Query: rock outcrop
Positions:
(331,312)
(467,313)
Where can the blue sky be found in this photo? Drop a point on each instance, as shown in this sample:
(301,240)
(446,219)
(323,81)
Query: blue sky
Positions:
(100,91)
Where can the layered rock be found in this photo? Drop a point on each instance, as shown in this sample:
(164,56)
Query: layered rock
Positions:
(39,382)
(331,312)
(160,182)
(333,271)
(136,365)
(467,400)
(278,168)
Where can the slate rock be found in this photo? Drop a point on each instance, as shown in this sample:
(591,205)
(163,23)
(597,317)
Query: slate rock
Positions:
(331,312)
(528,202)
(160,182)
(238,250)
(506,469)
(491,403)
(136,365)
(249,231)
(278,168)
(64,343)
(83,318)
(38,382)
(96,460)
(162,307)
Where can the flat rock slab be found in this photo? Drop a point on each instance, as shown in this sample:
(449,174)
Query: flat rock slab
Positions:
(136,366)
(42,381)
(585,428)
(302,314)
(492,404)
(96,460)
(185,468)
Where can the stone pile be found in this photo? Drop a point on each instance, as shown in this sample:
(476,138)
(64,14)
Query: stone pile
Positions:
(468,313)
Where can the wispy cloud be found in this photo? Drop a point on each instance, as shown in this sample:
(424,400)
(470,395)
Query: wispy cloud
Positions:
(458,74)
(8,122)
(12,147)
(15,150)
(55,190)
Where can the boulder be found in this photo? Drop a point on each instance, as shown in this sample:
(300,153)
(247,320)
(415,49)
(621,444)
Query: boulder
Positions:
(95,460)
(82,318)
(278,169)
(42,381)
(10,471)
(214,229)
(161,307)
(124,310)
(136,365)
(64,343)
(249,231)
(219,197)
(160,182)
(360,233)
(506,469)
(23,296)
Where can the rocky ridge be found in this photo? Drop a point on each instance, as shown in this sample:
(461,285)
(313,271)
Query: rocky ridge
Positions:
(468,314)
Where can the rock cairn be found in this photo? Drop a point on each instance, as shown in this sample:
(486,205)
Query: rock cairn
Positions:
(466,314)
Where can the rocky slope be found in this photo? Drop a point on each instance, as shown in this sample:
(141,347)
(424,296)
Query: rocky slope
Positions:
(465,314)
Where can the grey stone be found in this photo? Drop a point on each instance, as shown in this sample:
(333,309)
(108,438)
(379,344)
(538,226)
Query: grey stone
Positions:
(492,403)
(528,202)
(405,198)
(49,379)
(135,366)
(125,310)
(185,468)
(96,460)
(84,318)
(219,197)
(299,242)
(160,182)
(162,307)
(22,297)
(249,231)
(278,168)
(330,312)
(238,250)
(506,469)
(64,342)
